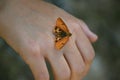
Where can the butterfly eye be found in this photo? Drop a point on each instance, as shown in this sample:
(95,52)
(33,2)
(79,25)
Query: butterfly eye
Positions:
(57,30)
(58,38)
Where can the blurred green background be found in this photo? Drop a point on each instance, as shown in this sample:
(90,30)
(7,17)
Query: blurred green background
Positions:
(102,17)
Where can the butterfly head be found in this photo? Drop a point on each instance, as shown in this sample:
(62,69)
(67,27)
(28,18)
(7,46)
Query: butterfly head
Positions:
(69,34)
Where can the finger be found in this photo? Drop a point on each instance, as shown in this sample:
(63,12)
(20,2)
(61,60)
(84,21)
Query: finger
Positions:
(91,36)
(85,47)
(38,66)
(61,70)
(74,60)
(86,70)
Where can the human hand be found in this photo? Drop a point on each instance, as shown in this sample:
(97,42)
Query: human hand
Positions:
(27,27)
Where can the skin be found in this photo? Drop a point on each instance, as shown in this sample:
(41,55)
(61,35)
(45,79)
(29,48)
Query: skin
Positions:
(27,25)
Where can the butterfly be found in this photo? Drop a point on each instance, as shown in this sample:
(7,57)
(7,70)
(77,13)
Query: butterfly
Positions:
(61,33)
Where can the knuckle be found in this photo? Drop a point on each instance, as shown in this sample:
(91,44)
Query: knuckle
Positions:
(43,76)
(91,56)
(79,69)
(34,53)
(32,50)
(76,28)
(65,75)
(82,23)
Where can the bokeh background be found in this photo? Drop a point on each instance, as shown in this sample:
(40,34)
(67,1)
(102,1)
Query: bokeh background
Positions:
(102,17)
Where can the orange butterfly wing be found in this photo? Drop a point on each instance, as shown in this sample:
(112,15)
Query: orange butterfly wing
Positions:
(62,25)
(61,33)
(61,42)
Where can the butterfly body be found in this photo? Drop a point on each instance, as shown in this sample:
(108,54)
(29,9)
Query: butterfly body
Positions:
(61,33)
